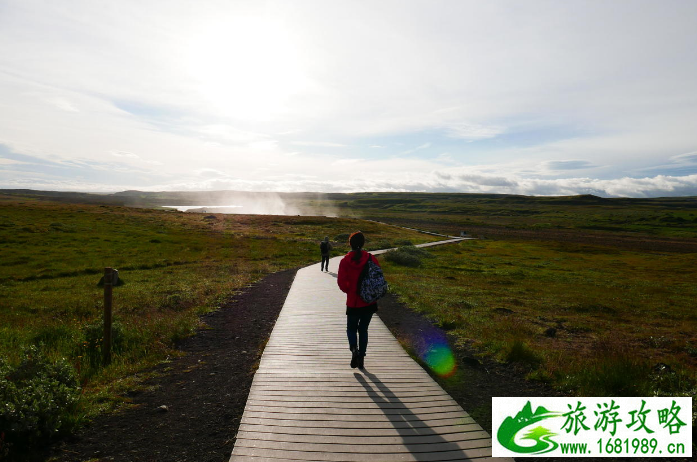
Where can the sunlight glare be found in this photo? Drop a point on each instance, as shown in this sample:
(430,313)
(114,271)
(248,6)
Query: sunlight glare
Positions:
(246,67)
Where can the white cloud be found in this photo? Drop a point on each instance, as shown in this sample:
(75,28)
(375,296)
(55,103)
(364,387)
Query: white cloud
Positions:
(228,134)
(340,162)
(264,145)
(354,175)
(527,93)
(689,158)
(444,182)
(21,180)
(210,173)
(291,131)
(64,104)
(446,158)
(4,161)
(321,144)
(473,132)
(555,165)
(124,154)
(418,148)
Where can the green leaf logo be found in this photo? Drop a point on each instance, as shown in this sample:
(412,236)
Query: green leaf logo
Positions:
(540,435)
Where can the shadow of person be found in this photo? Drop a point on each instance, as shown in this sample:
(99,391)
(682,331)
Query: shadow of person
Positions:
(454,438)
(332,274)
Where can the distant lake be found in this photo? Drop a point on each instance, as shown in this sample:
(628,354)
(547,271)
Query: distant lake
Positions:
(208,208)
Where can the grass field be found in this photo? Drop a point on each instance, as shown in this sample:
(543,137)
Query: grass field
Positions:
(605,320)
(593,321)
(175,265)
(674,217)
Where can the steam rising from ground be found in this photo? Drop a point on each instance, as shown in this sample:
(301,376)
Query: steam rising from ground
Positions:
(262,203)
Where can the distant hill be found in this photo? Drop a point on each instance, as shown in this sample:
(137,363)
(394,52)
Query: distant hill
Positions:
(137,198)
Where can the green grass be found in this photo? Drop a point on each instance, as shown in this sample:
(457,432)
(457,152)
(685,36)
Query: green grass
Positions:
(407,256)
(666,217)
(450,213)
(614,315)
(176,266)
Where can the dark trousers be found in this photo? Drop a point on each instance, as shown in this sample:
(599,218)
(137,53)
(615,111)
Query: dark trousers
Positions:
(357,331)
(325,263)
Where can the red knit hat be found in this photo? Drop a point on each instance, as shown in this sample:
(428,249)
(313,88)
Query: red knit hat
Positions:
(356,240)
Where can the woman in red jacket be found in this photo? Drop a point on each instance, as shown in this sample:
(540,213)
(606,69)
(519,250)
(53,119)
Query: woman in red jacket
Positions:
(358,312)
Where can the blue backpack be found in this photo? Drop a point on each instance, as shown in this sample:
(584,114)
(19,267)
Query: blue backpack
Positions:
(371,282)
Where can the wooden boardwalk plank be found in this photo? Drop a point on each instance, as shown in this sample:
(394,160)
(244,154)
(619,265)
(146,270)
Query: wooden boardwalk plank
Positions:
(455,455)
(350,424)
(362,439)
(331,392)
(365,417)
(347,400)
(363,432)
(357,448)
(307,404)
(353,408)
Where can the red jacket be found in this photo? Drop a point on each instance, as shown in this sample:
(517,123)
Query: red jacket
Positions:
(349,271)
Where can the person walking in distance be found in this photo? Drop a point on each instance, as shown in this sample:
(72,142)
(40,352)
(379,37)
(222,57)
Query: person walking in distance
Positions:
(324,248)
(358,312)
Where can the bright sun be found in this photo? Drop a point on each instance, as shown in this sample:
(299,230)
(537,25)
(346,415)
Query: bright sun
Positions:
(247,67)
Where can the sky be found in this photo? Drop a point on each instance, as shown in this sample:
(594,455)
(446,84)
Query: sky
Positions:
(515,97)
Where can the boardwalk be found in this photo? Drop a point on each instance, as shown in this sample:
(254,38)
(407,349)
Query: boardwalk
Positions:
(307,404)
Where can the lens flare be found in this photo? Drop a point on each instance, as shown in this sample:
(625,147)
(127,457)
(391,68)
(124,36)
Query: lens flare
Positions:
(436,353)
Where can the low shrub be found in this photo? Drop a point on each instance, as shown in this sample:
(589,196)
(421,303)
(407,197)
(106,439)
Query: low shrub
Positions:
(342,238)
(450,322)
(418,251)
(407,256)
(179,300)
(402,258)
(381,244)
(37,397)
(519,352)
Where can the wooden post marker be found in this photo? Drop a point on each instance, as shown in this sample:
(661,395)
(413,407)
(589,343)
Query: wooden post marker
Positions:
(108,284)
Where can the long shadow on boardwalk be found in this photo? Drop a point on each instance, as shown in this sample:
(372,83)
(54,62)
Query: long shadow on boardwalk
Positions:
(420,439)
